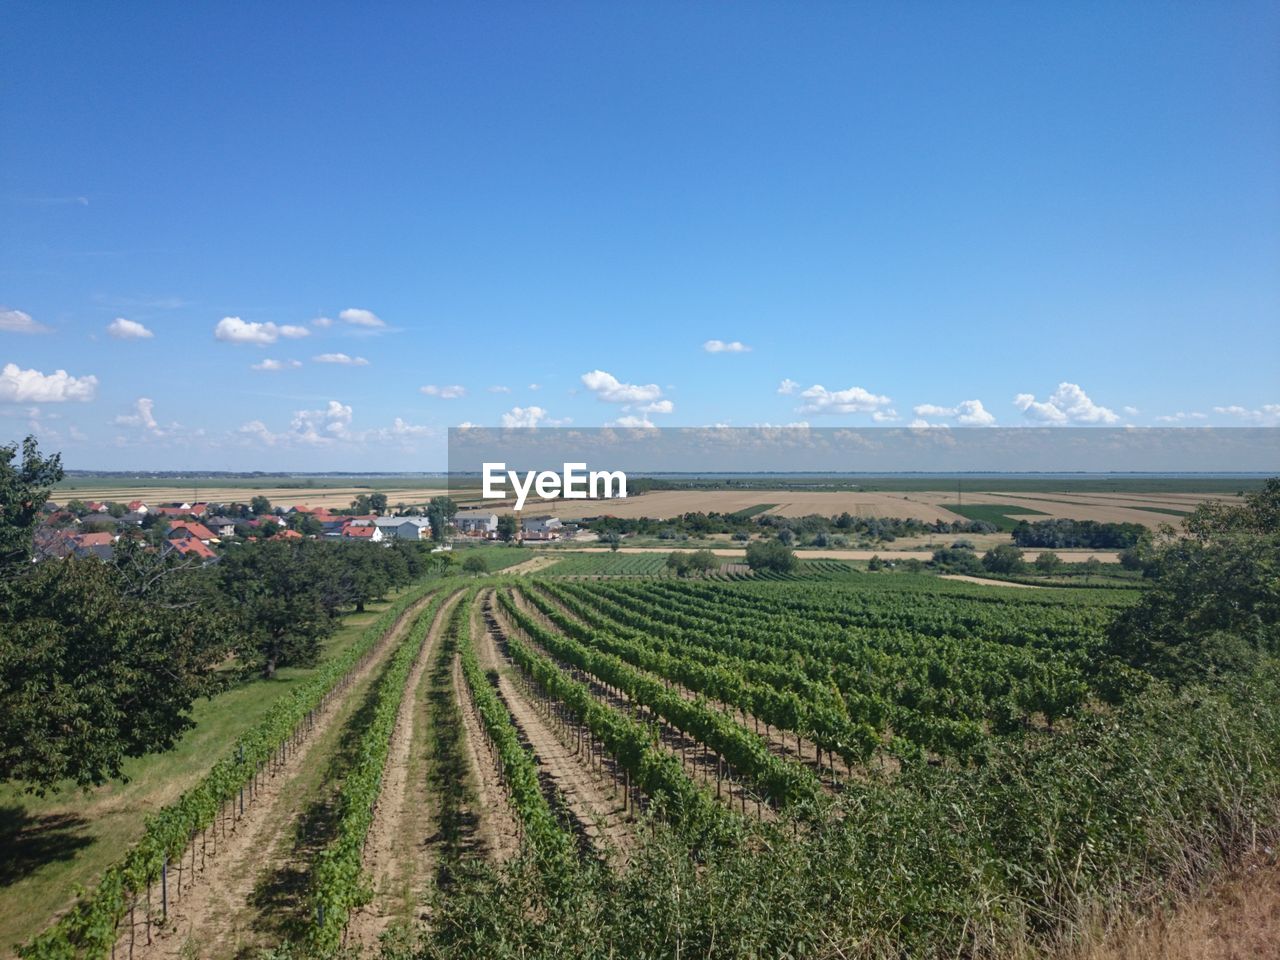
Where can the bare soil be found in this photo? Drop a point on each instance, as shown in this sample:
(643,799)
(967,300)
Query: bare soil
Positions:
(209,916)
(396,852)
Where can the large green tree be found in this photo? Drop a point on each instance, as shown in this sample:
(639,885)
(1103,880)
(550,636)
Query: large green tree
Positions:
(441,511)
(24,490)
(1214,603)
(100,662)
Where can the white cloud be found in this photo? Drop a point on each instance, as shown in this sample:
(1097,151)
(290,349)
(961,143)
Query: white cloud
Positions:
(818,399)
(450,391)
(721,346)
(1130,411)
(270,365)
(1068,404)
(788,387)
(658,406)
(361,318)
(123,329)
(16,321)
(143,416)
(919,424)
(535,386)
(341,358)
(967,413)
(322,323)
(322,426)
(634,423)
(259,431)
(523,417)
(498,388)
(610,389)
(32,386)
(1181,417)
(1268,413)
(885,416)
(235,330)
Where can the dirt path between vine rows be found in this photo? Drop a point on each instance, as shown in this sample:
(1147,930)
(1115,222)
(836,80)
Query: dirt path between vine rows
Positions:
(602,817)
(202,917)
(396,853)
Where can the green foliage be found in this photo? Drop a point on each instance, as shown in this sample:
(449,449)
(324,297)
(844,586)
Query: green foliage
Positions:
(89,929)
(260,505)
(475,563)
(98,663)
(1048,562)
(507,527)
(440,512)
(24,490)
(1003,558)
(1214,604)
(772,556)
(338,884)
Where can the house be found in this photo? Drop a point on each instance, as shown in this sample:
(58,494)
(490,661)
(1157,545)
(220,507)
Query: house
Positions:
(96,506)
(190,548)
(221,526)
(136,506)
(190,530)
(172,511)
(287,534)
(198,509)
(541,528)
(368,533)
(477,524)
(134,518)
(404,528)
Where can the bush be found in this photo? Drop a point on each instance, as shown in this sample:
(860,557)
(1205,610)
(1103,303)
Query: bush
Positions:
(771,555)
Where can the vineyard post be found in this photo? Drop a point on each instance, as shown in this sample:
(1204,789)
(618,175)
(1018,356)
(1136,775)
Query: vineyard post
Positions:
(164,890)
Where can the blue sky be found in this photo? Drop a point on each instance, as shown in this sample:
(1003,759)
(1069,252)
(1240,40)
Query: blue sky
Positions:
(949,213)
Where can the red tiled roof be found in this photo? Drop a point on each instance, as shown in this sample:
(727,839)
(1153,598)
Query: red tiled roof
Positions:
(287,534)
(94,539)
(135,504)
(190,527)
(362,532)
(186,547)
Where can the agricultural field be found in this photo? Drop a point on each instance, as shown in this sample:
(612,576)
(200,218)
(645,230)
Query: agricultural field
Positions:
(587,738)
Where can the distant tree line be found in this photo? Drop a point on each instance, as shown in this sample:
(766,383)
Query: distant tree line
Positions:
(812,530)
(1085,534)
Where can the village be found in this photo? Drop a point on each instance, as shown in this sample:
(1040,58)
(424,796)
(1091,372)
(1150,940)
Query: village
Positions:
(93,528)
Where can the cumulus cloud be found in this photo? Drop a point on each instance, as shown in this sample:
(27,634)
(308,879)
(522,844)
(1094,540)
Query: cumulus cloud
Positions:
(123,329)
(634,423)
(322,426)
(143,416)
(523,417)
(257,430)
(920,424)
(967,413)
(235,330)
(272,366)
(885,416)
(32,386)
(818,399)
(788,387)
(322,323)
(341,358)
(610,389)
(17,321)
(498,388)
(361,318)
(1068,404)
(450,391)
(535,386)
(722,346)
(1181,417)
(1267,414)
(658,406)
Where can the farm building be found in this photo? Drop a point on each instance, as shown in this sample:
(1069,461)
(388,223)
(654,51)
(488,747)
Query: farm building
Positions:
(404,528)
(477,524)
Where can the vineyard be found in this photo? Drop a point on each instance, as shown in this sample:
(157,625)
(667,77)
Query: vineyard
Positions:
(839,764)
(655,565)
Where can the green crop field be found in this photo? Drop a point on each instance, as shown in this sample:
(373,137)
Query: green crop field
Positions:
(1004,517)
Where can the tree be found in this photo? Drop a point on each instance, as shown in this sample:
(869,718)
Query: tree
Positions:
(278,591)
(24,490)
(99,663)
(1003,558)
(475,564)
(117,510)
(507,527)
(360,505)
(1214,604)
(260,505)
(771,555)
(614,540)
(440,512)
(1048,562)
(378,503)
(678,563)
(786,536)
(1092,567)
(703,562)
